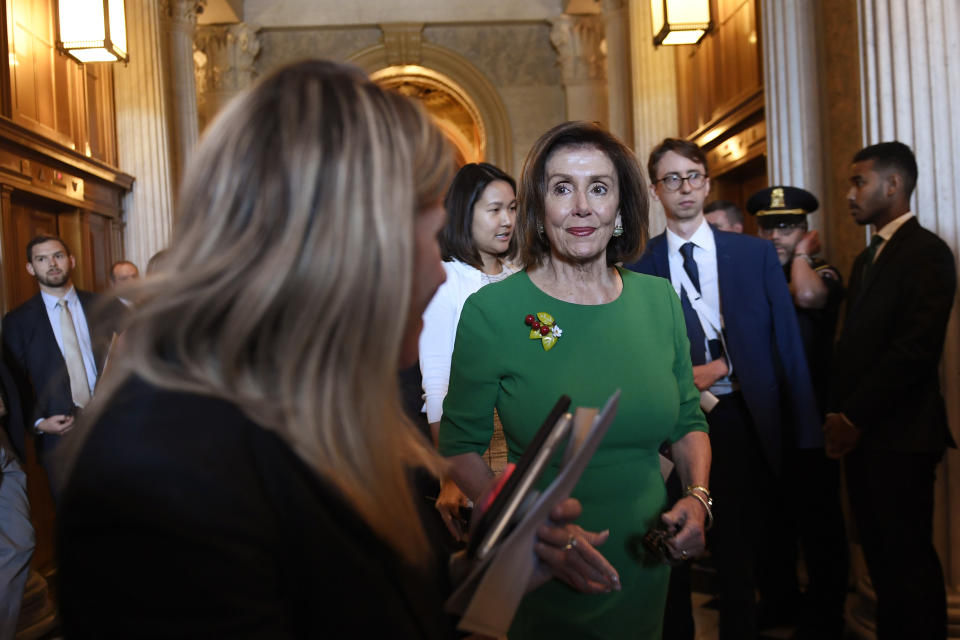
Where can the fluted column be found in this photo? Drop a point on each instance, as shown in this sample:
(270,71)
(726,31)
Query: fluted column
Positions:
(616,27)
(579,44)
(654,94)
(178,20)
(143,130)
(910,86)
(224,57)
(794,149)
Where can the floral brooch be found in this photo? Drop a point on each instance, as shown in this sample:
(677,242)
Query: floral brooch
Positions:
(543,328)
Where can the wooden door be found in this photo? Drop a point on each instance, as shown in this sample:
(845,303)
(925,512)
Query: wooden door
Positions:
(737,185)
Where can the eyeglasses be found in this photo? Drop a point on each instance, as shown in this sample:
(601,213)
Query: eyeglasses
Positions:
(672,181)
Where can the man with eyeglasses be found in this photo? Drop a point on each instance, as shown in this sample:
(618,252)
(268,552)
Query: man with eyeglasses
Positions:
(748,364)
(817,519)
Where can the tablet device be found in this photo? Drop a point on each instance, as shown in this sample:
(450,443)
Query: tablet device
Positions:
(495,522)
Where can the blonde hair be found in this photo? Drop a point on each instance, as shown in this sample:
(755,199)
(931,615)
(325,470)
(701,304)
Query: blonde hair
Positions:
(286,284)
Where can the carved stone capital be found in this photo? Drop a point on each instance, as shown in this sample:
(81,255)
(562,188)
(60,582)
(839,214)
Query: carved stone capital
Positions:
(581,51)
(224,56)
(402,41)
(612,6)
(182,13)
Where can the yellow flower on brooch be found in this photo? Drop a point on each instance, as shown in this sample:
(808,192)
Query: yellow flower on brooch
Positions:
(543,328)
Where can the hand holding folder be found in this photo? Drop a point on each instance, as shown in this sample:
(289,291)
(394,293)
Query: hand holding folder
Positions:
(503,546)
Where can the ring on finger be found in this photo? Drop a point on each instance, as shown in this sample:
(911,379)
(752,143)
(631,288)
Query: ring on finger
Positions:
(683,554)
(571,543)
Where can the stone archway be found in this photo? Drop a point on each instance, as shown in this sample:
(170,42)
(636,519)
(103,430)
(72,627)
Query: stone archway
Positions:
(451,110)
(422,69)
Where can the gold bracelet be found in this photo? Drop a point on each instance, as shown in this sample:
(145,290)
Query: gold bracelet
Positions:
(706,502)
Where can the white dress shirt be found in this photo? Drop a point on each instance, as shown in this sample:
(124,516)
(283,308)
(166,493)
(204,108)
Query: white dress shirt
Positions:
(889,229)
(705,255)
(79,323)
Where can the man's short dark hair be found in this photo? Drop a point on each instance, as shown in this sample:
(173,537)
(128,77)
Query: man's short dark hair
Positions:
(894,156)
(456,237)
(113,268)
(734,214)
(685,148)
(634,203)
(40,240)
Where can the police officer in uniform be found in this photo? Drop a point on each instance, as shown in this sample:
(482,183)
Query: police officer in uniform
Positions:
(814,490)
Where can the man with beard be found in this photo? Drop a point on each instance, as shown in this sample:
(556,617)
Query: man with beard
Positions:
(817,517)
(887,417)
(55,346)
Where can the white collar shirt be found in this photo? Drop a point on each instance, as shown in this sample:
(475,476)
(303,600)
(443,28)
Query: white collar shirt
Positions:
(79,323)
(891,228)
(705,255)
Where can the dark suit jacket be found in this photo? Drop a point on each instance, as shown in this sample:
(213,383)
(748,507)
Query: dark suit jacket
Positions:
(31,352)
(885,374)
(230,533)
(13,421)
(762,337)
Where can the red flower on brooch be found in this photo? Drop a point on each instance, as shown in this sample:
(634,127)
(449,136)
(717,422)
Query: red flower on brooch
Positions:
(543,328)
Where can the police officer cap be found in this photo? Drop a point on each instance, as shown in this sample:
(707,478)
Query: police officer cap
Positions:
(781,206)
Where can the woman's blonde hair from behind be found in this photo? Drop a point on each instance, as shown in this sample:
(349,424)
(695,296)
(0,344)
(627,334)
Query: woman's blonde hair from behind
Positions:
(288,279)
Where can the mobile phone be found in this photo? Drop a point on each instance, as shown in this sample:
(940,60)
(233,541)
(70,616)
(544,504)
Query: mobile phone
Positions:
(495,522)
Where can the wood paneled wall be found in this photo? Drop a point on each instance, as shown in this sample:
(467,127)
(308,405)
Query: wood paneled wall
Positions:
(723,72)
(50,93)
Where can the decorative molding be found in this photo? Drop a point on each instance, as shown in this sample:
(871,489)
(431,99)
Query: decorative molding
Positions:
(403,42)
(181,12)
(473,83)
(579,41)
(224,57)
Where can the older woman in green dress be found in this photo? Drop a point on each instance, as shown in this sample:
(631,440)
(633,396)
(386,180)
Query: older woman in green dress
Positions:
(583,211)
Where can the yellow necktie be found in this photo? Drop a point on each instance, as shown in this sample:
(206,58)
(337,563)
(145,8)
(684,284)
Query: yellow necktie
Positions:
(79,387)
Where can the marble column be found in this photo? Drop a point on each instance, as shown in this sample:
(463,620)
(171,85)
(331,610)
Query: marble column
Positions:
(654,88)
(616,27)
(143,136)
(910,91)
(178,20)
(579,41)
(224,59)
(791,80)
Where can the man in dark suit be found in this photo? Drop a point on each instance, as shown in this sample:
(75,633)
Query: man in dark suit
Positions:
(56,344)
(16,530)
(887,417)
(748,361)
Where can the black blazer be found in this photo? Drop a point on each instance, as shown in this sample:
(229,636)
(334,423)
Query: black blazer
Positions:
(31,351)
(13,421)
(184,519)
(885,373)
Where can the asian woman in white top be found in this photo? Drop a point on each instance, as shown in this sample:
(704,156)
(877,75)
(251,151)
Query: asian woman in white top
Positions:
(476,243)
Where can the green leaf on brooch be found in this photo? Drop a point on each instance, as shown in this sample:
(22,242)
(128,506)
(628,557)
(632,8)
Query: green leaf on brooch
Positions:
(548,341)
(544,317)
(535,334)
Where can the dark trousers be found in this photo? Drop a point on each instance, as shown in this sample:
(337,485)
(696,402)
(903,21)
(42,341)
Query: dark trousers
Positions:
(815,483)
(678,613)
(745,489)
(891,496)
